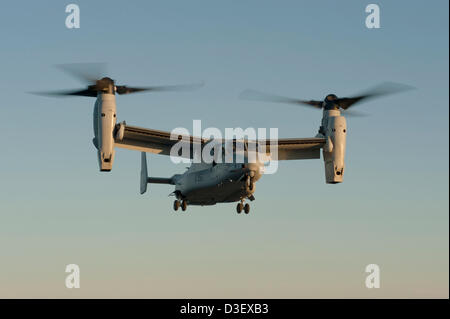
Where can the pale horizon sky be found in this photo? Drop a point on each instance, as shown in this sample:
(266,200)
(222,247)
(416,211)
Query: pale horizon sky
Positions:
(303,238)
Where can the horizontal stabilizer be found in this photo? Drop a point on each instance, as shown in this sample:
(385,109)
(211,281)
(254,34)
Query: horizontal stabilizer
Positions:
(160,180)
(154,180)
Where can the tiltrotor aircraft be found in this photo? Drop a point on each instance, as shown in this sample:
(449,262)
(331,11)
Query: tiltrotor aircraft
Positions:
(219,181)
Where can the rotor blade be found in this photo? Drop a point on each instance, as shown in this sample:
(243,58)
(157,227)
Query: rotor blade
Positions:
(380,90)
(353,113)
(123,89)
(82,92)
(85,72)
(259,96)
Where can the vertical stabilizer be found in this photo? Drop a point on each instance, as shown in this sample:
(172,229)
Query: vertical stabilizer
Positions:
(144,173)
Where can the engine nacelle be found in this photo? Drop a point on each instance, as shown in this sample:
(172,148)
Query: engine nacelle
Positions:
(104,124)
(334,149)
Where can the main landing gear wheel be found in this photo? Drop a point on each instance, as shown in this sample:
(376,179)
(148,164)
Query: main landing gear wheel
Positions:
(176,205)
(183,205)
(247,208)
(239,208)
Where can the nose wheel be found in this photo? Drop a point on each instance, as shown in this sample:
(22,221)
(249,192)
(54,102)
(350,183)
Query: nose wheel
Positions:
(241,207)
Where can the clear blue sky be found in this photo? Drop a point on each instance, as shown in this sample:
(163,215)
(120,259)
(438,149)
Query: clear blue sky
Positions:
(303,238)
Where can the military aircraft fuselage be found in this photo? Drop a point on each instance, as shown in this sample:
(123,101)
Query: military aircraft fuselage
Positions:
(208,184)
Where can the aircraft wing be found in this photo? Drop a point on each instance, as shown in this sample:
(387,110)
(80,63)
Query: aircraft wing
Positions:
(159,142)
(152,141)
(297,148)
